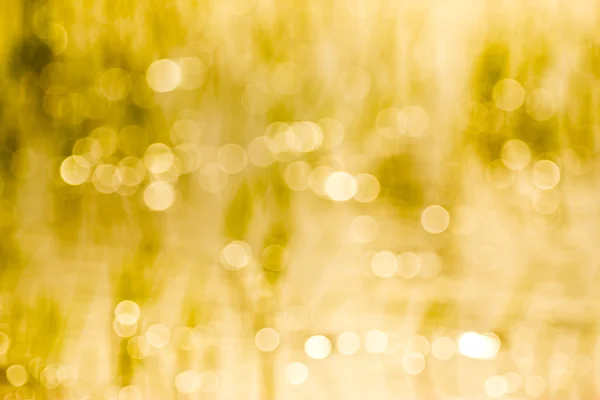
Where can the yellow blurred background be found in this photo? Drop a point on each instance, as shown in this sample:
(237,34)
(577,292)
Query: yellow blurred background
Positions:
(299,199)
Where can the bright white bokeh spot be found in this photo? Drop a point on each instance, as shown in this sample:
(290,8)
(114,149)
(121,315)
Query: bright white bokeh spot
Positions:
(340,186)
(475,345)
(317,347)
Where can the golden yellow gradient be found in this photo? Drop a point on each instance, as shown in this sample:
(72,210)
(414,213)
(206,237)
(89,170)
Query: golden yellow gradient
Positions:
(299,199)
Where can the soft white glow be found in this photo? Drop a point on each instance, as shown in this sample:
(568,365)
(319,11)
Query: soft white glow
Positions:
(475,345)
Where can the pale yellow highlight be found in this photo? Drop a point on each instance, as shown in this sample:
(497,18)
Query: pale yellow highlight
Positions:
(435,219)
(267,339)
(164,75)
(341,186)
(296,373)
(17,375)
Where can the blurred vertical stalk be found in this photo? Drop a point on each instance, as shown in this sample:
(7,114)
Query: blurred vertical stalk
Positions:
(237,219)
(273,269)
(26,60)
(137,282)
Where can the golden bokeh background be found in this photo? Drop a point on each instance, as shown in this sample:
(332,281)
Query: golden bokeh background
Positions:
(299,199)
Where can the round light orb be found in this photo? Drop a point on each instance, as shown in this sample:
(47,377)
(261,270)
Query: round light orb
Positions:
(348,343)
(296,373)
(159,196)
(317,347)
(164,75)
(267,339)
(340,186)
(435,219)
(127,312)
